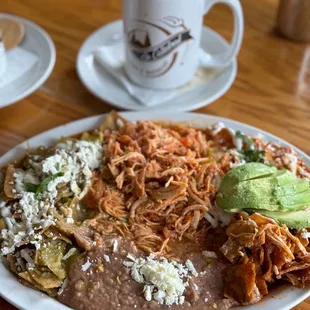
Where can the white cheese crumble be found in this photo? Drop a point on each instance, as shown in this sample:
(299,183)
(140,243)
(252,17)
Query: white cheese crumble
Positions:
(237,164)
(63,286)
(76,160)
(115,246)
(69,220)
(238,161)
(21,177)
(34,215)
(69,253)
(191,267)
(238,142)
(86,266)
(209,254)
(305,233)
(163,280)
(107,258)
(216,128)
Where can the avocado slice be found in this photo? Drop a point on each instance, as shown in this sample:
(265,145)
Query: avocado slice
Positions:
(298,199)
(299,186)
(245,196)
(269,196)
(295,219)
(275,208)
(284,177)
(271,185)
(246,172)
(266,189)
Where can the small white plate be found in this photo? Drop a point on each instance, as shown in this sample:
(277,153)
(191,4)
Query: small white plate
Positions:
(284,298)
(105,87)
(38,42)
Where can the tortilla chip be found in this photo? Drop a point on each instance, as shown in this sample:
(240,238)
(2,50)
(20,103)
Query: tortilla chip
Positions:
(50,255)
(53,232)
(2,224)
(111,121)
(64,228)
(84,238)
(260,219)
(261,285)
(12,261)
(231,250)
(42,152)
(95,136)
(2,175)
(9,182)
(279,258)
(26,279)
(244,231)
(44,278)
(300,278)
(240,283)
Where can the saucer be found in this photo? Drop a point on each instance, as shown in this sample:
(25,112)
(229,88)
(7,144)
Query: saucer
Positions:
(101,84)
(38,42)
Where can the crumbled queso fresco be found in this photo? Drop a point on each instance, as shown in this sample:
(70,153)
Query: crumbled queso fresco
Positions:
(74,161)
(163,280)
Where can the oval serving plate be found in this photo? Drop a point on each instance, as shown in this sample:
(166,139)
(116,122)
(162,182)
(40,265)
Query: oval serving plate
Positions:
(284,298)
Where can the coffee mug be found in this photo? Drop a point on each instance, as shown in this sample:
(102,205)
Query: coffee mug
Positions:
(162,39)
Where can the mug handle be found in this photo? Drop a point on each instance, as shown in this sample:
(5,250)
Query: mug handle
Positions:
(223,59)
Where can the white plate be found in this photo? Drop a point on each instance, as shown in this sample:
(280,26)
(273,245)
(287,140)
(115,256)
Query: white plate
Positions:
(38,42)
(25,298)
(102,85)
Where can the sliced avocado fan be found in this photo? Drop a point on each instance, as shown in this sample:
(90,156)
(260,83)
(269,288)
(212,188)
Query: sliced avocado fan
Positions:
(296,219)
(255,187)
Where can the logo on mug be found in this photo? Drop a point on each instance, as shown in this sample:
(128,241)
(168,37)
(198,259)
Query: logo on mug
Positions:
(141,43)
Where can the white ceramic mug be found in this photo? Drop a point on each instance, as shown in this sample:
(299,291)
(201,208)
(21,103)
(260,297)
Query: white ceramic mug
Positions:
(162,39)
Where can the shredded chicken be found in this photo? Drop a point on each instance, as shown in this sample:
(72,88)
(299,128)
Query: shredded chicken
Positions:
(272,251)
(164,177)
(160,181)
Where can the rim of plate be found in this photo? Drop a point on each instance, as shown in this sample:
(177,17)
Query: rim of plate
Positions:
(278,297)
(50,66)
(80,67)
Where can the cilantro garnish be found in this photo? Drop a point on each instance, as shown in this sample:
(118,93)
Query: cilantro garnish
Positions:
(30,187)
(40,188)
(253,156)
(249,154)
(244,138)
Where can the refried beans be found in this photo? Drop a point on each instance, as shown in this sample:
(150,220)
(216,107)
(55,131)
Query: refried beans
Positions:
(99,280)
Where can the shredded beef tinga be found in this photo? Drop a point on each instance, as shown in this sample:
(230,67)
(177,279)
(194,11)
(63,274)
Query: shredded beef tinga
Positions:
(151,215)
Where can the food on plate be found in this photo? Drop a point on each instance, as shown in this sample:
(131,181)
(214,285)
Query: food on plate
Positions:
(155,215)
(255,187)
(261,252)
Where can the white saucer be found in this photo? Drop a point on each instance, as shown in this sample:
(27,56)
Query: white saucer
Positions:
(38,42)
(102,85)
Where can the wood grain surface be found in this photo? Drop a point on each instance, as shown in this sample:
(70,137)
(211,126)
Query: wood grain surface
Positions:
(272,89)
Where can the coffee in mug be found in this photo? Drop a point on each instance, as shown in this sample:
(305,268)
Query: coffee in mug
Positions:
(162,39)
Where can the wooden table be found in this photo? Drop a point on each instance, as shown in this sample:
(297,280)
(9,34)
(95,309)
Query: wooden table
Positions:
(272,89)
